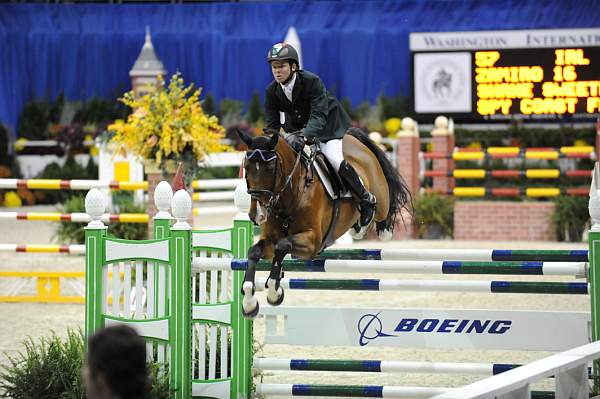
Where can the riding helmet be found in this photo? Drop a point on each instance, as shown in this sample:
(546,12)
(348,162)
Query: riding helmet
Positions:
(281,52)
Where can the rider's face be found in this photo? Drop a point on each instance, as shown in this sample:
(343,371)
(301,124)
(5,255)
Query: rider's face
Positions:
(281,70)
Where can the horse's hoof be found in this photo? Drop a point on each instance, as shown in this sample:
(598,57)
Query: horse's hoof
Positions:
(252,313)
(385,235)
(279,295)
(248,289)
(358,234)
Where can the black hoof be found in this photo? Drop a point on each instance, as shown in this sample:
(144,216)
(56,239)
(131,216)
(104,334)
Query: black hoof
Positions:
(252,314)
(279,299)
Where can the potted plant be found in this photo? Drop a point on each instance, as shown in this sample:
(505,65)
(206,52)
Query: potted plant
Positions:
(434,215)
(167,127)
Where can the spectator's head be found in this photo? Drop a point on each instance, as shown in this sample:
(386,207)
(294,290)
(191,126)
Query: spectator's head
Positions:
(116,364)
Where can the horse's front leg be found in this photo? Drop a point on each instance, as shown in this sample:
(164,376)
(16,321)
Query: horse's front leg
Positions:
(255,253)
(302,244)
(275,292)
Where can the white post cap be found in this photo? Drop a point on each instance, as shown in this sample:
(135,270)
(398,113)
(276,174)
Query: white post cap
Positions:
(94,207)
(181,205)
(163,195)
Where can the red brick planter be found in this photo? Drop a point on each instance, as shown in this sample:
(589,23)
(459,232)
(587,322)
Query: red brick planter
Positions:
(504,221)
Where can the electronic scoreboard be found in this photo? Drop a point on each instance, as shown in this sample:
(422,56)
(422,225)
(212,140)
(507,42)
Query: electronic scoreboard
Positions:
(503,75)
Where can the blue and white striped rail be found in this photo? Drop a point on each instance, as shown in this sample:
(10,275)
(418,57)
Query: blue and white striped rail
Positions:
(366,391)
(514,287)
(404,266)
(380,366)
(458,254)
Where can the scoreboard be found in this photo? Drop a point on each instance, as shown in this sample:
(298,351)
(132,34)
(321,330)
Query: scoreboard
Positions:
(532,75)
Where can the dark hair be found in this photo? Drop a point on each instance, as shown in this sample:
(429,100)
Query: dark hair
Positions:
(119,354)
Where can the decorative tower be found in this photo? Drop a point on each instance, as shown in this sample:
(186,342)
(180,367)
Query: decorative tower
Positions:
(116,165)
(144,77)
(146,69)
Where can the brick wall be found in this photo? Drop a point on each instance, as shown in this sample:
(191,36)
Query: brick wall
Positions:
(503,221)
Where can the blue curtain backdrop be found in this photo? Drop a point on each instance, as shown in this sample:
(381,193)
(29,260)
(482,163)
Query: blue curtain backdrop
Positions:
(359,48)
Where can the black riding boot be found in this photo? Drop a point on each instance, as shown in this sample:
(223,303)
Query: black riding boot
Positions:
(365,199)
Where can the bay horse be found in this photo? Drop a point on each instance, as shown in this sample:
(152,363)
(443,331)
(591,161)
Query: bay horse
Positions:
(295,212)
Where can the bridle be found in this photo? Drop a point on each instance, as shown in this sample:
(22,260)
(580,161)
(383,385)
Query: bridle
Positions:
(265,156)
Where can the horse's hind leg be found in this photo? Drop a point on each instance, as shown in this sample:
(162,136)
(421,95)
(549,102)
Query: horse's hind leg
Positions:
(250,303)
(275,293)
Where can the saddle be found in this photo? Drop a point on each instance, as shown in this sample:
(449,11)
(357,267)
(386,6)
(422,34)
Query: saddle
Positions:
(316,161)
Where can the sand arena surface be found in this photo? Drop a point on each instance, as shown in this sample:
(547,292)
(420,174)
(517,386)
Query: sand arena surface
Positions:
(20,321)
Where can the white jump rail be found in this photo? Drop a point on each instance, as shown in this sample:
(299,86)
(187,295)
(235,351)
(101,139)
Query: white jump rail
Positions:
(570,369)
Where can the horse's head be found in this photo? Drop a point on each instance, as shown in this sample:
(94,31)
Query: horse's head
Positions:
(261,165)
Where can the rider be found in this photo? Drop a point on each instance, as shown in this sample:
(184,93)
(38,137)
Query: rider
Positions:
(312,112)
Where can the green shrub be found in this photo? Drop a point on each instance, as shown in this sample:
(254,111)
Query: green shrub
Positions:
(73,233)
(434,212)
(51,369)
(208,105)
(37,115)
(99,111)
(570,217)
(70,170)
(129,231)
(70,232)
(48,369)
(255,110)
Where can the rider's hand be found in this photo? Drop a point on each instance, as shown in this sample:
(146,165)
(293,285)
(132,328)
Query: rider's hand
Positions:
(297,142)
(311,140)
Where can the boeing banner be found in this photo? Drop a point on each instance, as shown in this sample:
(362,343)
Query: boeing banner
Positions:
(431,328)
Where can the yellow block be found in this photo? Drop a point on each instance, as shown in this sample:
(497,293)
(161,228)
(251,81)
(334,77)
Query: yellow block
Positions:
(577,150)
(48,216)
(47,287)
(48,184)
(542,173)
(542,192)
(128,185)
(121,171)
(467,156)
(469,191)
(42,248)
(541,155)
(469,173)
(196,184)
(133,218)
(196,197)
(503,150)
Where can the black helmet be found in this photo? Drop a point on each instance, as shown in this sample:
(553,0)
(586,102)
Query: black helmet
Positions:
(281,52)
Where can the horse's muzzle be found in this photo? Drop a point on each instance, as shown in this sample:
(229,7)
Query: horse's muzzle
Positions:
(258,213)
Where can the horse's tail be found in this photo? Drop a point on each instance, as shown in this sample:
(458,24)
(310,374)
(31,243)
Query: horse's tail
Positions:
(398,190)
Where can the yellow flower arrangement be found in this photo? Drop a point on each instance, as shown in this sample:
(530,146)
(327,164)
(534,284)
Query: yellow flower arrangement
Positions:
(168,124)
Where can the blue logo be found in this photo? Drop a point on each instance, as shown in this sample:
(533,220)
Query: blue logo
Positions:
(370,327)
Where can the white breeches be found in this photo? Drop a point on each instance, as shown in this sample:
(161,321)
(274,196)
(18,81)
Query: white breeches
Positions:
(333,151)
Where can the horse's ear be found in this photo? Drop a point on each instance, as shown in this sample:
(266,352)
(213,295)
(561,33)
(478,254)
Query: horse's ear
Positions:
(244,137)
(274,139)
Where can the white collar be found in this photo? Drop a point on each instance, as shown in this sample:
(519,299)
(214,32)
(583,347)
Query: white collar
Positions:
(289,85)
